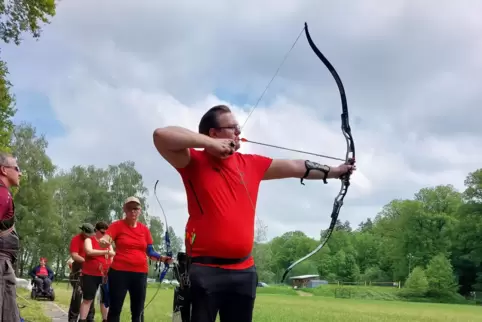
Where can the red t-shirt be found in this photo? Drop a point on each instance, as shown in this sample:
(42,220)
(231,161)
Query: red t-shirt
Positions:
(221,213)
(77,245)
(6,203)
(130,246)
(96,265)
(43,271)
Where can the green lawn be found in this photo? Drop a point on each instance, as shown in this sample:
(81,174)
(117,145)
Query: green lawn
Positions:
(291,307)
(30,310)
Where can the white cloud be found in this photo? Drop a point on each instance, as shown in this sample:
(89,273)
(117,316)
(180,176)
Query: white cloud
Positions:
(116,70)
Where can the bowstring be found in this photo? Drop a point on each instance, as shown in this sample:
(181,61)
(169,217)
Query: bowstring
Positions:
(272,79)
(241,175)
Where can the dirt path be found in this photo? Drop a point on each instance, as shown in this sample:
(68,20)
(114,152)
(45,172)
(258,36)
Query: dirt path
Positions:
(302,293)
(55,312)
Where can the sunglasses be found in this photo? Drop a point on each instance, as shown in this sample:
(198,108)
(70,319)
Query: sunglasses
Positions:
(16,167)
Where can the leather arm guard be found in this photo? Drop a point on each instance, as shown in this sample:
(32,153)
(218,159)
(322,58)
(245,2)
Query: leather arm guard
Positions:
(310,165)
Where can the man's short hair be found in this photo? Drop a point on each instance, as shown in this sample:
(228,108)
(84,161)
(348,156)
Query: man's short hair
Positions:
(210,118)
(101,225)
(5,158)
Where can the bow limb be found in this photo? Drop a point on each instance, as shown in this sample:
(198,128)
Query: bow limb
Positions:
(167,242)
(349,158)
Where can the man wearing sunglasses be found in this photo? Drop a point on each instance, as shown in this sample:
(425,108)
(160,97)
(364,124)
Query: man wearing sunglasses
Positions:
(9,242)
(77,251)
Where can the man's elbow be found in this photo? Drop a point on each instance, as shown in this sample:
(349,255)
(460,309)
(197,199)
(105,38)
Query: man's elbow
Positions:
(162,135)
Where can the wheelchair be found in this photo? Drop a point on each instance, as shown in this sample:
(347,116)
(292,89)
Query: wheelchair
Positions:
(37,293)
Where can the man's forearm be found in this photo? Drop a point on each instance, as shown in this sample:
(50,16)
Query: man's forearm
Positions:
(280,169)
(177,138)
(319,174)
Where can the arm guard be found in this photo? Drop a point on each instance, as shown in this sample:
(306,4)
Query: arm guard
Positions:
(310,165)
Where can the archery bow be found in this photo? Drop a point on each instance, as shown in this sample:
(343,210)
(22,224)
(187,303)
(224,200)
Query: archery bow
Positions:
(346,130)
(349,158)
(167,241)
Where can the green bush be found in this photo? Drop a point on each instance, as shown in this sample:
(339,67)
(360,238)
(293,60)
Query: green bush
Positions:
(416,285)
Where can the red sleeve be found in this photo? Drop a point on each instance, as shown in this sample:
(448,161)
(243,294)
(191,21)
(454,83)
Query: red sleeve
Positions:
(75,244)
(148,235)
(260,164)
(114,229)
(4,203)
(194,156)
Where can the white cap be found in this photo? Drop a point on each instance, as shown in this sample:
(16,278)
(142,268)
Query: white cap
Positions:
(132,199)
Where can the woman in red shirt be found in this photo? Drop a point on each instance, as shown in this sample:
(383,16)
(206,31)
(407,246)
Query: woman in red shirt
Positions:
(97,262)
(128,272)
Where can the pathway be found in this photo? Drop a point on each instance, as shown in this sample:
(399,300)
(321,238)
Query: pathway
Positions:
(55,312)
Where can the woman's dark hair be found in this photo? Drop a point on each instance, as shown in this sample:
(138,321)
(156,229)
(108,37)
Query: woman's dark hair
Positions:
(210,118)
(101,225)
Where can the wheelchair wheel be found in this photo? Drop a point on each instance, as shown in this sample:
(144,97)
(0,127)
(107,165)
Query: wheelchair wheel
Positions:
(52,295)
(33,294)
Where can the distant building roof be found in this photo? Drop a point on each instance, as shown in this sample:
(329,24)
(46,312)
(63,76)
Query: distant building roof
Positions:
(304,276)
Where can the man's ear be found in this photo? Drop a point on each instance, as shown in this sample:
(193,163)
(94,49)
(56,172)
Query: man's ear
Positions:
(213,133)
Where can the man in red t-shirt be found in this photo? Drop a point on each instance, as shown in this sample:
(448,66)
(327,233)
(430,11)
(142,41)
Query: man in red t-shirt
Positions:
(222,189)
(77,252)
(42,276)
(9,242)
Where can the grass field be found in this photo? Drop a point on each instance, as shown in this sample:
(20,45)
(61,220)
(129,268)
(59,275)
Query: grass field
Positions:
(288,305)
(30,310)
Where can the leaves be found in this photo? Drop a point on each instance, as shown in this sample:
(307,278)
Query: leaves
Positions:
(20,16)
(417,284)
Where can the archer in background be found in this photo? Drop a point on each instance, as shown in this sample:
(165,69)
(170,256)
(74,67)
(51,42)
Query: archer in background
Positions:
(222,189)
(42,276)
(9,242)
(128,271)
(77,252)
(96,265)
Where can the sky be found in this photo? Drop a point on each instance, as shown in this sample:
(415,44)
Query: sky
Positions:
(105,74)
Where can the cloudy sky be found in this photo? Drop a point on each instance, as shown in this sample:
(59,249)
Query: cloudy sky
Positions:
(106,73)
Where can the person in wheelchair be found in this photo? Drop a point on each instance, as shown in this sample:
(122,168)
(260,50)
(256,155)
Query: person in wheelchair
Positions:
(42,277)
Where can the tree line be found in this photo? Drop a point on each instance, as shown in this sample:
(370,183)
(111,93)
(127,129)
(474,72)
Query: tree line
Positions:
(430,243)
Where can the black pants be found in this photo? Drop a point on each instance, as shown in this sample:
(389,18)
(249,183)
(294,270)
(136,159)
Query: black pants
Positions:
(43,283)
(119,283)
(230,292)
(76,299)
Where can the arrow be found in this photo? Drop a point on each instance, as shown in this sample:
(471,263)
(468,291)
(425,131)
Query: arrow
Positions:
(293,150)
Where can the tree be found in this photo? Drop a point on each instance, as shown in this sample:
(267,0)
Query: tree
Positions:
(416,284)
(7,109)
(17,17)
(440,276)
(33,200)
(21,16)
(124,181)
